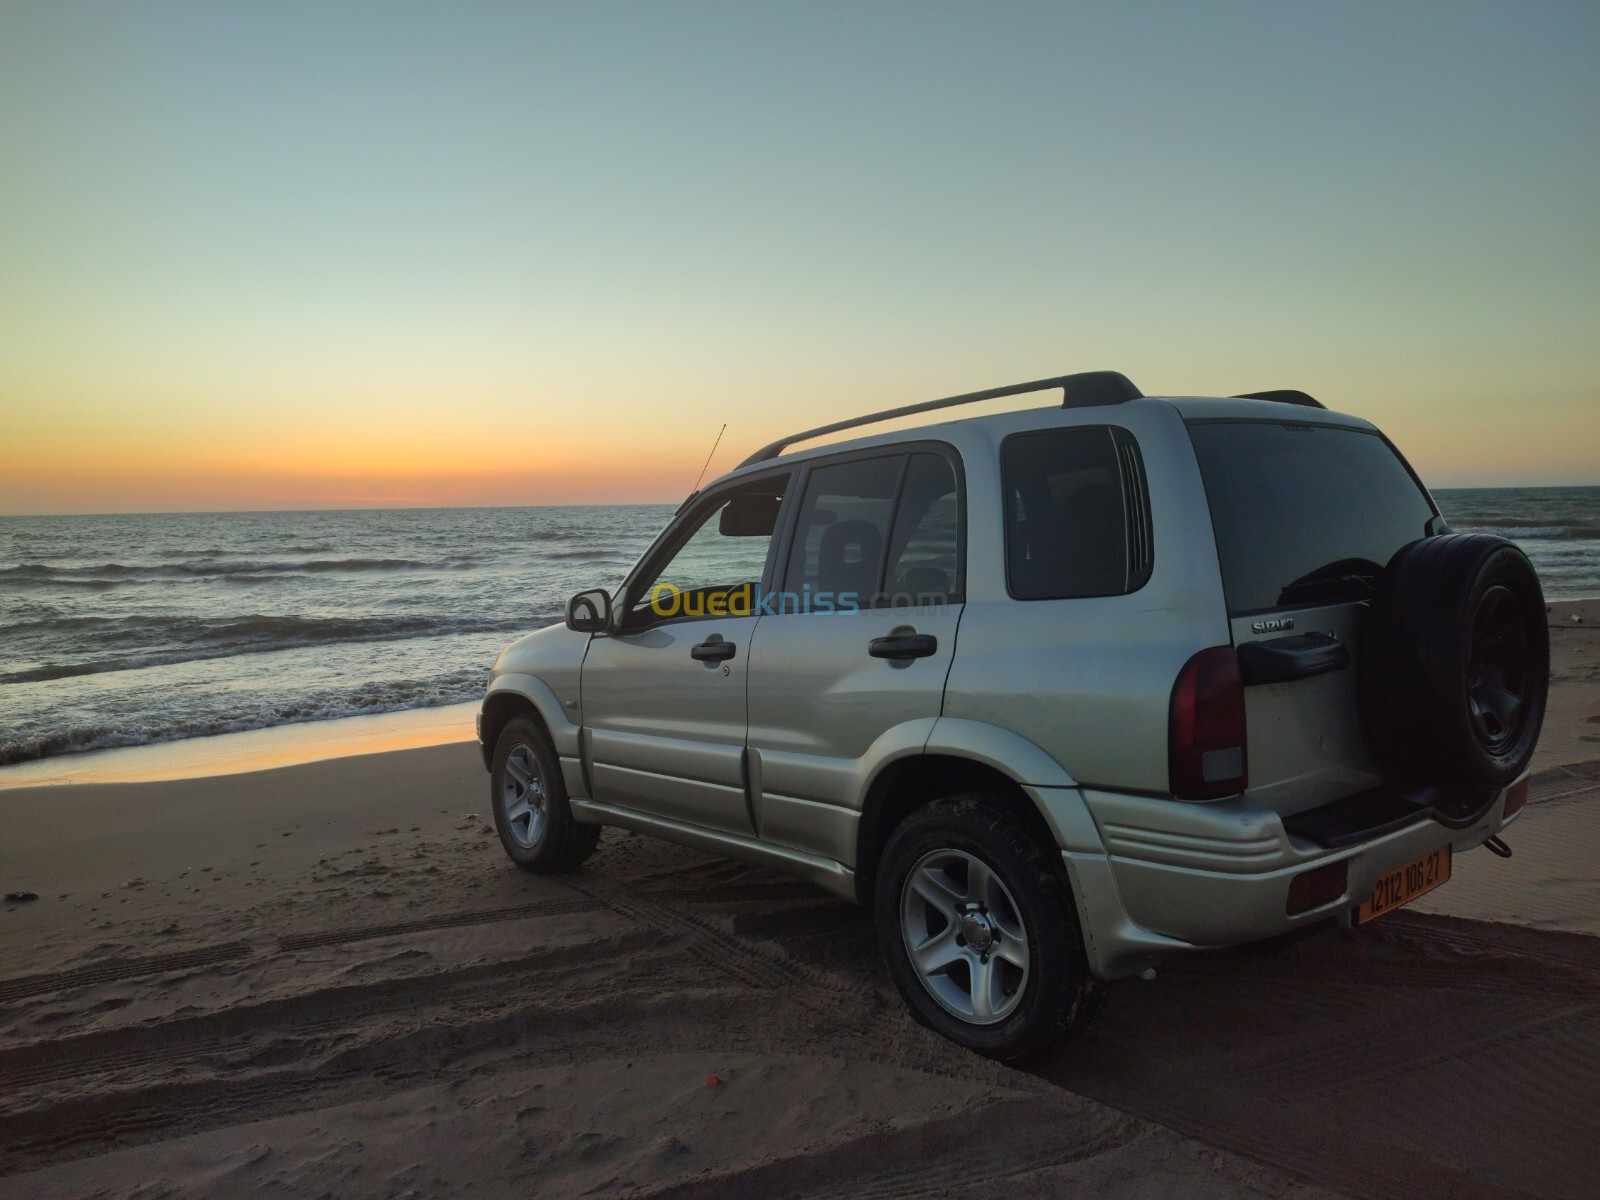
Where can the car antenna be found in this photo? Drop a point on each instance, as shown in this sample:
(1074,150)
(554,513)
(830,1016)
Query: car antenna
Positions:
(707,463)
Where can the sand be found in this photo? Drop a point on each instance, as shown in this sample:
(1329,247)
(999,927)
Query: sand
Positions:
(326,979)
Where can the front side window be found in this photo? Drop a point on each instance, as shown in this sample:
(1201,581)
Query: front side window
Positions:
(716,569)
(1076,514)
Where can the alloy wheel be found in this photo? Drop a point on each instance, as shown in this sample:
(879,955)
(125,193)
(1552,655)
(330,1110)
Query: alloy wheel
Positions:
(522,797)
(964,936)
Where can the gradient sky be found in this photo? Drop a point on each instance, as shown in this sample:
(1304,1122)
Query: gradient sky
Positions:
(277,255)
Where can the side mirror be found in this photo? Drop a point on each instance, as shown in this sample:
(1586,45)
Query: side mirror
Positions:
(589,612)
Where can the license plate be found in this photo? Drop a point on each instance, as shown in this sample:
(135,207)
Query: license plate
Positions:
(1404,884)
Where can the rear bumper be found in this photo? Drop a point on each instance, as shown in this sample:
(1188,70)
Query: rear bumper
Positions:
(1176,877)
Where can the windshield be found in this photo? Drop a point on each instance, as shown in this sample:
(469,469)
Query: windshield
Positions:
(1304,514)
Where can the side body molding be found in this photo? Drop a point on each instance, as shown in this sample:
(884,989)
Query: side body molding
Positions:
(812,802)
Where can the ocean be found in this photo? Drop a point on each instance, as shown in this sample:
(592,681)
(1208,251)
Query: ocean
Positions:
(126,630)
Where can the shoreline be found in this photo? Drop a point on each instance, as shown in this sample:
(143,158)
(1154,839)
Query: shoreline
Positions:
(251,749)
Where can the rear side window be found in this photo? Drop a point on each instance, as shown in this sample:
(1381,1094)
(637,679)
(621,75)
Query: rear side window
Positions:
(925,551)
(843,528)
(1077,513)
(1304,514)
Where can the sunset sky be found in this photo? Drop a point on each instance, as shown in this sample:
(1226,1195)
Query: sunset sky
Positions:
(277,255)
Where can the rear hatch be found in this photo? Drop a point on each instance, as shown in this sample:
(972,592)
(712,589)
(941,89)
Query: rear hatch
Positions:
(1306,514)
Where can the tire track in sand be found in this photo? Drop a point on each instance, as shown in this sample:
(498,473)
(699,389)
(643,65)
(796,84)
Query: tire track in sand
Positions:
(172,1043)
(998,1142)
(24,986)
(340,937)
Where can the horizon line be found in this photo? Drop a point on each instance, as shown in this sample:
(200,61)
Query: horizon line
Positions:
(402,507)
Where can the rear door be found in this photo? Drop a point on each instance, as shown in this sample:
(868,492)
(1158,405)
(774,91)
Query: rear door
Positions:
(1306,516)
(860,637)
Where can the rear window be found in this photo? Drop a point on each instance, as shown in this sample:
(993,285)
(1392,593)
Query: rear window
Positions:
(1304,514)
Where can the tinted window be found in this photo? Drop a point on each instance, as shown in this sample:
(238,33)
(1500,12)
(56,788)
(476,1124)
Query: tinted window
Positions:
(1066,520)
(1304,514)
(843,528)
(925,551)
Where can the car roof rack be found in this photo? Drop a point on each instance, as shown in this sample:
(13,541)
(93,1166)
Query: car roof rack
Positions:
(1284,396)
(1083,390)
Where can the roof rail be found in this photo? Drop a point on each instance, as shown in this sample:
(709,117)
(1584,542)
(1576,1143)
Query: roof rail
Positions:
(1083,390)
(1285,396)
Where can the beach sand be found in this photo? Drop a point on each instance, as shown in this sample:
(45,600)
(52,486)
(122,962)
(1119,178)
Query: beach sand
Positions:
(326,979)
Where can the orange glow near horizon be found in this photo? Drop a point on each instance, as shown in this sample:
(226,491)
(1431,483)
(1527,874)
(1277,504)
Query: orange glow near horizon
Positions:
(93,480)
(470,464)
(132,457)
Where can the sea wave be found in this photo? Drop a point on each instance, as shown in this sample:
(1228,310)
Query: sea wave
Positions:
(587,555)
(1517,529)
(393,695)
(163,641)
(114,573)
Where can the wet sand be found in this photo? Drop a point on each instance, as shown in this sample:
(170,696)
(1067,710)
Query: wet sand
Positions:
(327,979)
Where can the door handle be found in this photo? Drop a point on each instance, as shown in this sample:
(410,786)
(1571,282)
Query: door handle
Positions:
(1285,659)
(717,651)
(903,645)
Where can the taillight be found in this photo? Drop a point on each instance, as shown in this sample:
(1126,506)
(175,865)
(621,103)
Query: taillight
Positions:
(1206,731)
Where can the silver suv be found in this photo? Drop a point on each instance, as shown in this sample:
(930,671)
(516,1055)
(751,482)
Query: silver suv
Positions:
(1058,692)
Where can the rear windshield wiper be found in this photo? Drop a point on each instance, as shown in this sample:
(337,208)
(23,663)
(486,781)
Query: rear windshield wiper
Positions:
(1346,579)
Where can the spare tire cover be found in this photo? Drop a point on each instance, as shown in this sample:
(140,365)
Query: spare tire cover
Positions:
(1455,666)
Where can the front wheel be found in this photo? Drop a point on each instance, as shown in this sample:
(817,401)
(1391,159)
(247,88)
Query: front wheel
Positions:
(980,933)
(529,797)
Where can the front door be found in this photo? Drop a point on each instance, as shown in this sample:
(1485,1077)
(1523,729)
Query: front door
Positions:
(664,695)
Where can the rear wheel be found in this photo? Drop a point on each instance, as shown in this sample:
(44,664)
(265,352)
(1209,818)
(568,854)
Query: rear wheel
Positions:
(980,933)
(529,798)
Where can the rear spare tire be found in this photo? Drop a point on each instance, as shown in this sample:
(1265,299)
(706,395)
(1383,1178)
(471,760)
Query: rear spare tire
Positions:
(1455,666)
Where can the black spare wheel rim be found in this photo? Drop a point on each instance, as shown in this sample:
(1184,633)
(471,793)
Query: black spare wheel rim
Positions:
(1455,666)
(1497,671)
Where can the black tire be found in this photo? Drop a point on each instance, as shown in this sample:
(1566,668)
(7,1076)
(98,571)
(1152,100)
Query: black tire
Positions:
(1455,667)
(1054,997)
(540,836)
